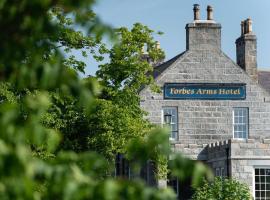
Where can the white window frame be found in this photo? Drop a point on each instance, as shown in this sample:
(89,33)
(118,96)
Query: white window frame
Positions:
(177,125)
(242,123)
(254,180)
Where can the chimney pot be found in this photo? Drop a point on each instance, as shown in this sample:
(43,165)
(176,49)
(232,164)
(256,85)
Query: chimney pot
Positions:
(242,27)
(249,25)
(158,45)
(209,13)
(196,10)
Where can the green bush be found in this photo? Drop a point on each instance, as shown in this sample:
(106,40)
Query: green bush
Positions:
(223,189)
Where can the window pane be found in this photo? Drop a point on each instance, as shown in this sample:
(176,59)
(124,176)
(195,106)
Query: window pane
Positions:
(173,135)
(262,186)
(240,126)
(174,127)
(257,179)
(172,111)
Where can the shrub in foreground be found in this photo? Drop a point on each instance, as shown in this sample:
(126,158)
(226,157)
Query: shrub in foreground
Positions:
(222,188)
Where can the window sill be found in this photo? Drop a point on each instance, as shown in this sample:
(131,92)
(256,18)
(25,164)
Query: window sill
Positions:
(173,141)
(243,140)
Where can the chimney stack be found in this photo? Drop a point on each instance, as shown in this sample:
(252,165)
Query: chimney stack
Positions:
(196,10)
(145,55)
(203,34)
(246,49)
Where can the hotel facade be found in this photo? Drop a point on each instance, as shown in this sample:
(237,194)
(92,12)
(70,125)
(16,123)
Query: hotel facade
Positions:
(218,109)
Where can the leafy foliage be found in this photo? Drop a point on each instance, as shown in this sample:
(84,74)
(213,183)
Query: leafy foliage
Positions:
(112,127)
(119,116)
(222,188)
(42,95)
(125,74)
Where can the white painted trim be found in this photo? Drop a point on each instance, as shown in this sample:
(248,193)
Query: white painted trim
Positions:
(253,182)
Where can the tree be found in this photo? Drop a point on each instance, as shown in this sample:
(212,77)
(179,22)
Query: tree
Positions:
(222,188)
(35,74)
(119,117)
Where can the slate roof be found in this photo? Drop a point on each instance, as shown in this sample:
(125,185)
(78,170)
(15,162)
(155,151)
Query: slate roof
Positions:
(264,79)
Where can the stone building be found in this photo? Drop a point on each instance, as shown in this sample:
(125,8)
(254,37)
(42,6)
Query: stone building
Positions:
(218,109)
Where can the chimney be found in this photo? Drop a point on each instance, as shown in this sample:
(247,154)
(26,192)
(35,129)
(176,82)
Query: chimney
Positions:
(145,55)
(209,13)
(158,62)
(196,11)
(246,49)
(203,34)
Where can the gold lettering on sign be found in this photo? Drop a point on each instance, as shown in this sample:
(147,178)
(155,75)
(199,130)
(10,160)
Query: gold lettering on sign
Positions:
(206,91)
(200,91)
(237,91)
(181,91)
(229,91)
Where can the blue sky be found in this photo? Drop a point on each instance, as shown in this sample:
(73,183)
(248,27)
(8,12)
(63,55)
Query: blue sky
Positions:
(171,16)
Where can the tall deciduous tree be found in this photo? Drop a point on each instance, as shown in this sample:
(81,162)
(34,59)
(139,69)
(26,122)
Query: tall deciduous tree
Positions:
(37,81)
(119,117)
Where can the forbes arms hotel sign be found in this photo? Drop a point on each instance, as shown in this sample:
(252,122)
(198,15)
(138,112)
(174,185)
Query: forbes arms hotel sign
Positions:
(215,91)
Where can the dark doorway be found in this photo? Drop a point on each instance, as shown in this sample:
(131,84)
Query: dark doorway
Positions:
(183,189)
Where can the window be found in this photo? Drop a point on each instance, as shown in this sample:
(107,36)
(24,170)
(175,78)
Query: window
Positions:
(170,118)
(222,173)
(122,168)
(217,172)
(262,183)
(240,123)
(151,169)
